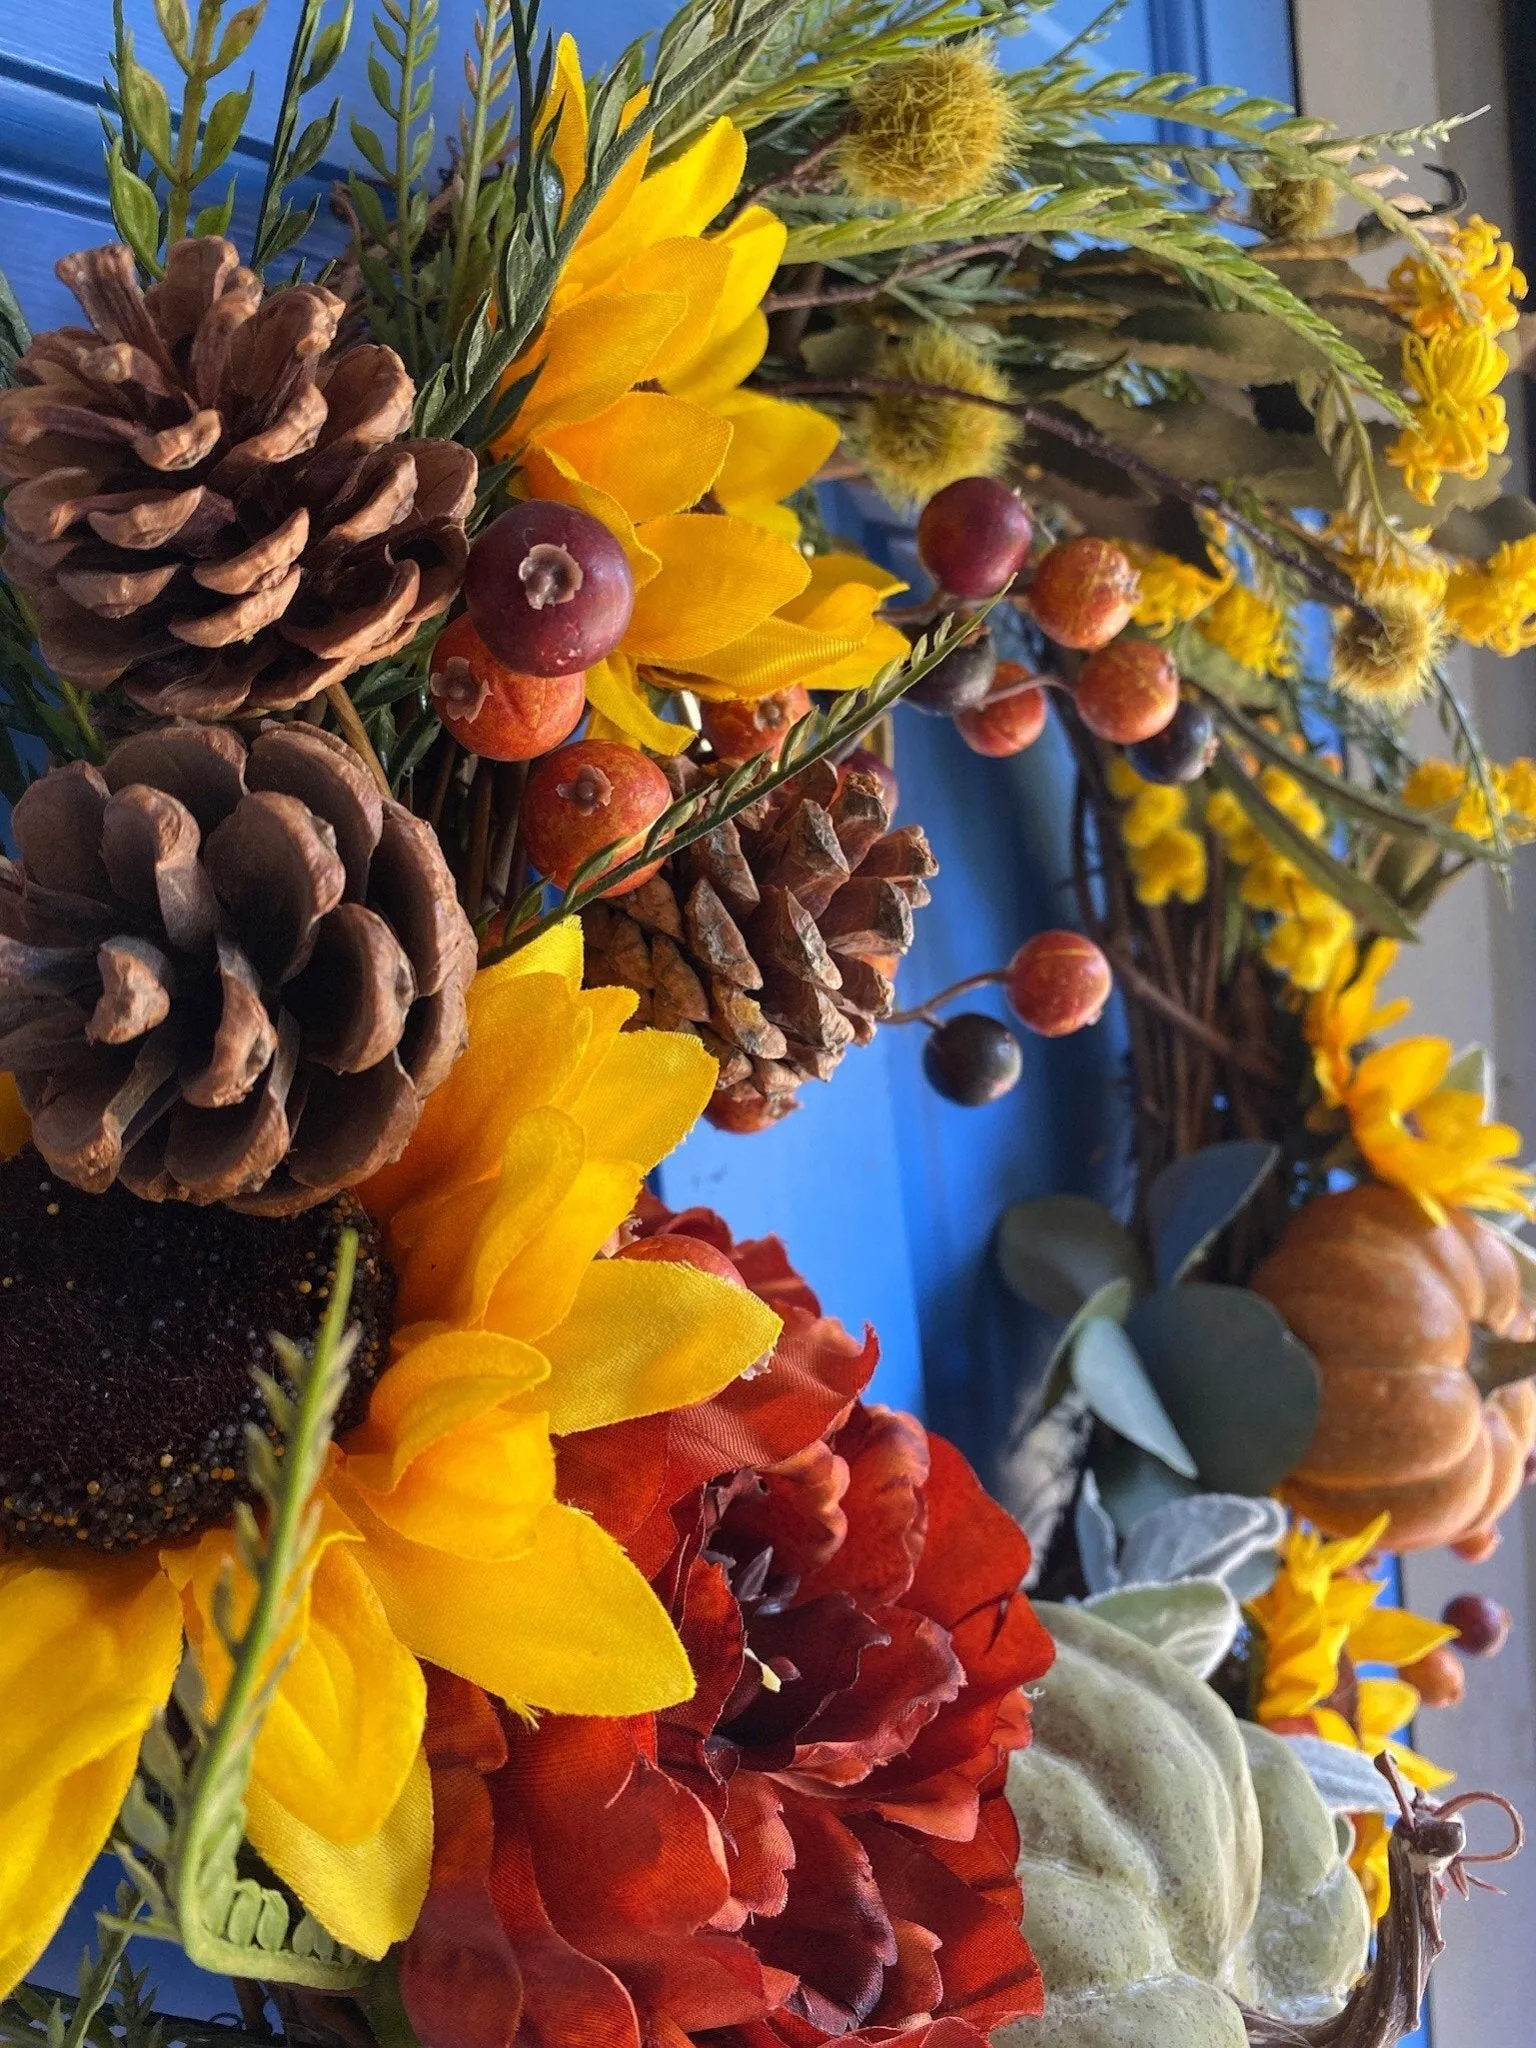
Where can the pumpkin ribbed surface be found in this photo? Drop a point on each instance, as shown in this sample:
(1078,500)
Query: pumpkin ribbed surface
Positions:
(1388,1303)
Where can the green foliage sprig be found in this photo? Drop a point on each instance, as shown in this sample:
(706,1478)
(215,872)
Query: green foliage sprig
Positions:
(156,166)
(312,57)
(15,334)
(406,32)
(183,1821)
(124,2018)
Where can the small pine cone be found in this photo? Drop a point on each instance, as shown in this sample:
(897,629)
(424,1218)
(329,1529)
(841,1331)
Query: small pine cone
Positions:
(209,504)
(773,938)
(227,974)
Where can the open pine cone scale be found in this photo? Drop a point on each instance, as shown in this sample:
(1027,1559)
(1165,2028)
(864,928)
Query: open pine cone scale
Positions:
(226,973)
(209,504)
(774,938)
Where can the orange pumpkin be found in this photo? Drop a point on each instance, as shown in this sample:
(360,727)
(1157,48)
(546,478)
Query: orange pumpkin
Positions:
(1390,1305)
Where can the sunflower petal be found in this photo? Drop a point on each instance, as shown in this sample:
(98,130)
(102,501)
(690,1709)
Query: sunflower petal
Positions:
(617,695)
(452,1275)
(1385,1706)
(476,1491)
(1391,1635)
(570,1627)
(438,1381)
(719,578)
(591,354)
(367,1894)
(652,453)
(535,1290)
(699,273)
(51,1838)
(686,195)
(644,1096)
(641,1338)
(776,447)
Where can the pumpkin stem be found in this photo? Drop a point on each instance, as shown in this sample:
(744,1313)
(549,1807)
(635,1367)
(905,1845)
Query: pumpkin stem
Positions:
(1426,1856)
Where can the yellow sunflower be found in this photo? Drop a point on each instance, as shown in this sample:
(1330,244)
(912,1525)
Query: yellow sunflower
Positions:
(638,416)
(442,1537)
(1319,1613)
(1412,1131)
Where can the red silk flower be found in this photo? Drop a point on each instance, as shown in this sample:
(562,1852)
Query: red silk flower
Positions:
(816,1846)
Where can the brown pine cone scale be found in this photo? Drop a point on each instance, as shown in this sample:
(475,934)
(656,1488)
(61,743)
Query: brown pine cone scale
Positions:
(209,504)
(773,938)
(228,973)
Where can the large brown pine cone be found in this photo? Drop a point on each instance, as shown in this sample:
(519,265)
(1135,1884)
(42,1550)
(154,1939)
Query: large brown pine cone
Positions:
(227,974)
(211,507)
(773,939)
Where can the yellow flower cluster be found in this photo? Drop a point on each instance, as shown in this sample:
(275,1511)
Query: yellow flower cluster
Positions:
(1452,364)
(1412,1131)
(1173,591)
(1310,928)
(1251,630)
(1166,858)
(1319,1612)
(1412,570)
(1493,603)
(1443,786)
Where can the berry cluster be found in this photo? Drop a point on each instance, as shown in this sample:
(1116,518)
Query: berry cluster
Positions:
(1056,983)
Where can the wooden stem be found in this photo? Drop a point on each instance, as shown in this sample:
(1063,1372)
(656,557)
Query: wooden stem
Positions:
(348,718)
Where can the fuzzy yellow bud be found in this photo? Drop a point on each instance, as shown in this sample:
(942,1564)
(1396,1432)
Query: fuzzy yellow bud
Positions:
(1295,209)
(934,127)
(912,443)
(1388,664)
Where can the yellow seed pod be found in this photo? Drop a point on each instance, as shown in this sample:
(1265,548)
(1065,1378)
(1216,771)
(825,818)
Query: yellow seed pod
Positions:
(936,126)
(1294,210)
(1390,664)
(913,444)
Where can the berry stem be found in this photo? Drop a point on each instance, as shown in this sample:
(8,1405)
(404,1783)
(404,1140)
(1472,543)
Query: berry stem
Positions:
(350,721)
(923,1013)
(1328,582)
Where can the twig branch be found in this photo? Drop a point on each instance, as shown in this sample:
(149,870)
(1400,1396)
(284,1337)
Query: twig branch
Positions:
(856,294)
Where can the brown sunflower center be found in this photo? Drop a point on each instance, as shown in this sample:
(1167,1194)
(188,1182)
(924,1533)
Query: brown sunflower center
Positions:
(128,1334)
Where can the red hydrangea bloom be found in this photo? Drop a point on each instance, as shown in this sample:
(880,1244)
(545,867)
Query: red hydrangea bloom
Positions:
(816,1846)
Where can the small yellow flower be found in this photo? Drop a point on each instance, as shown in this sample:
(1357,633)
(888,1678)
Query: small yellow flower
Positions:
(1166,858)
(930,128)
(1318,1613)
(1411,569)
(1484,267)
(1345,1013)
(1388,660)
(1493,603)
(914,444)
(1172,591)
(1458,424)
(1251,630)
(1294,209)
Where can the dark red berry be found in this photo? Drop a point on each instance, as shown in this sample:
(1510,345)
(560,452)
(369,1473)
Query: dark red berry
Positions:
(590,795)
(1011,719)
(742,728)
(973,537)
(863,761)
(1482,1626)
(972,1059)
(1181,752)
(1127,691)
(493,710)
(1084,592)
(960,682)
(1057,983)
(549,588)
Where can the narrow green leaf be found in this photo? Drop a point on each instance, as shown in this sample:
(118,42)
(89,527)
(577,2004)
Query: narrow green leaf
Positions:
(134,208)
(175,25)
(312,144)
(226,124)
(328,46)
(371,150)
(378,79)
(149,110)
(237,35)
(215,220)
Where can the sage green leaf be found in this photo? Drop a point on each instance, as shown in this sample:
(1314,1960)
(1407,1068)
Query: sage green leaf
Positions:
(1471,1072)
(134,208)
(1113,1301)
(175,25)
(1209,1536)
(1132,1483)
(1111,1378)
(1240,1390)
(1058,1250)
(1196,1197)
(148,111)
(1375,909)
(1346,1779)
(226,124)
(237,35)
(1194,1621)
(370,149)
(1098,1540)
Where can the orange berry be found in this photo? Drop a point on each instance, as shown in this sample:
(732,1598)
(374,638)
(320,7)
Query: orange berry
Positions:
(1084,592)
(742,729)
(1058,983)
(1128,691)
(1439,1679)
(1010,720)
(589,795)
(494,710)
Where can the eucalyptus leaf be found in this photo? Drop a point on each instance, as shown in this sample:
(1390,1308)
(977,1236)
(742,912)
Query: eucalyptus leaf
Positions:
(1346,1779)
(1241,1391)
(1097,1538)
(1194,1621)
(1111,1378)
(1058,1250)
(1195,1198)
(1208,1536)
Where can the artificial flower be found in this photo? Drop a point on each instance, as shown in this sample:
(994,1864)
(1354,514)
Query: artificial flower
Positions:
(816,1847)
(1486,279)
(934,126)
(1457,423)
(1310,928)
(637,415)
(1458,795)
(442,1536)
(1166,858)
(914,441)
(1251,630)
(1412,1131)
(1493,603)
(1408,567)
(1386,657)
(1173,591)
(1321,1621)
